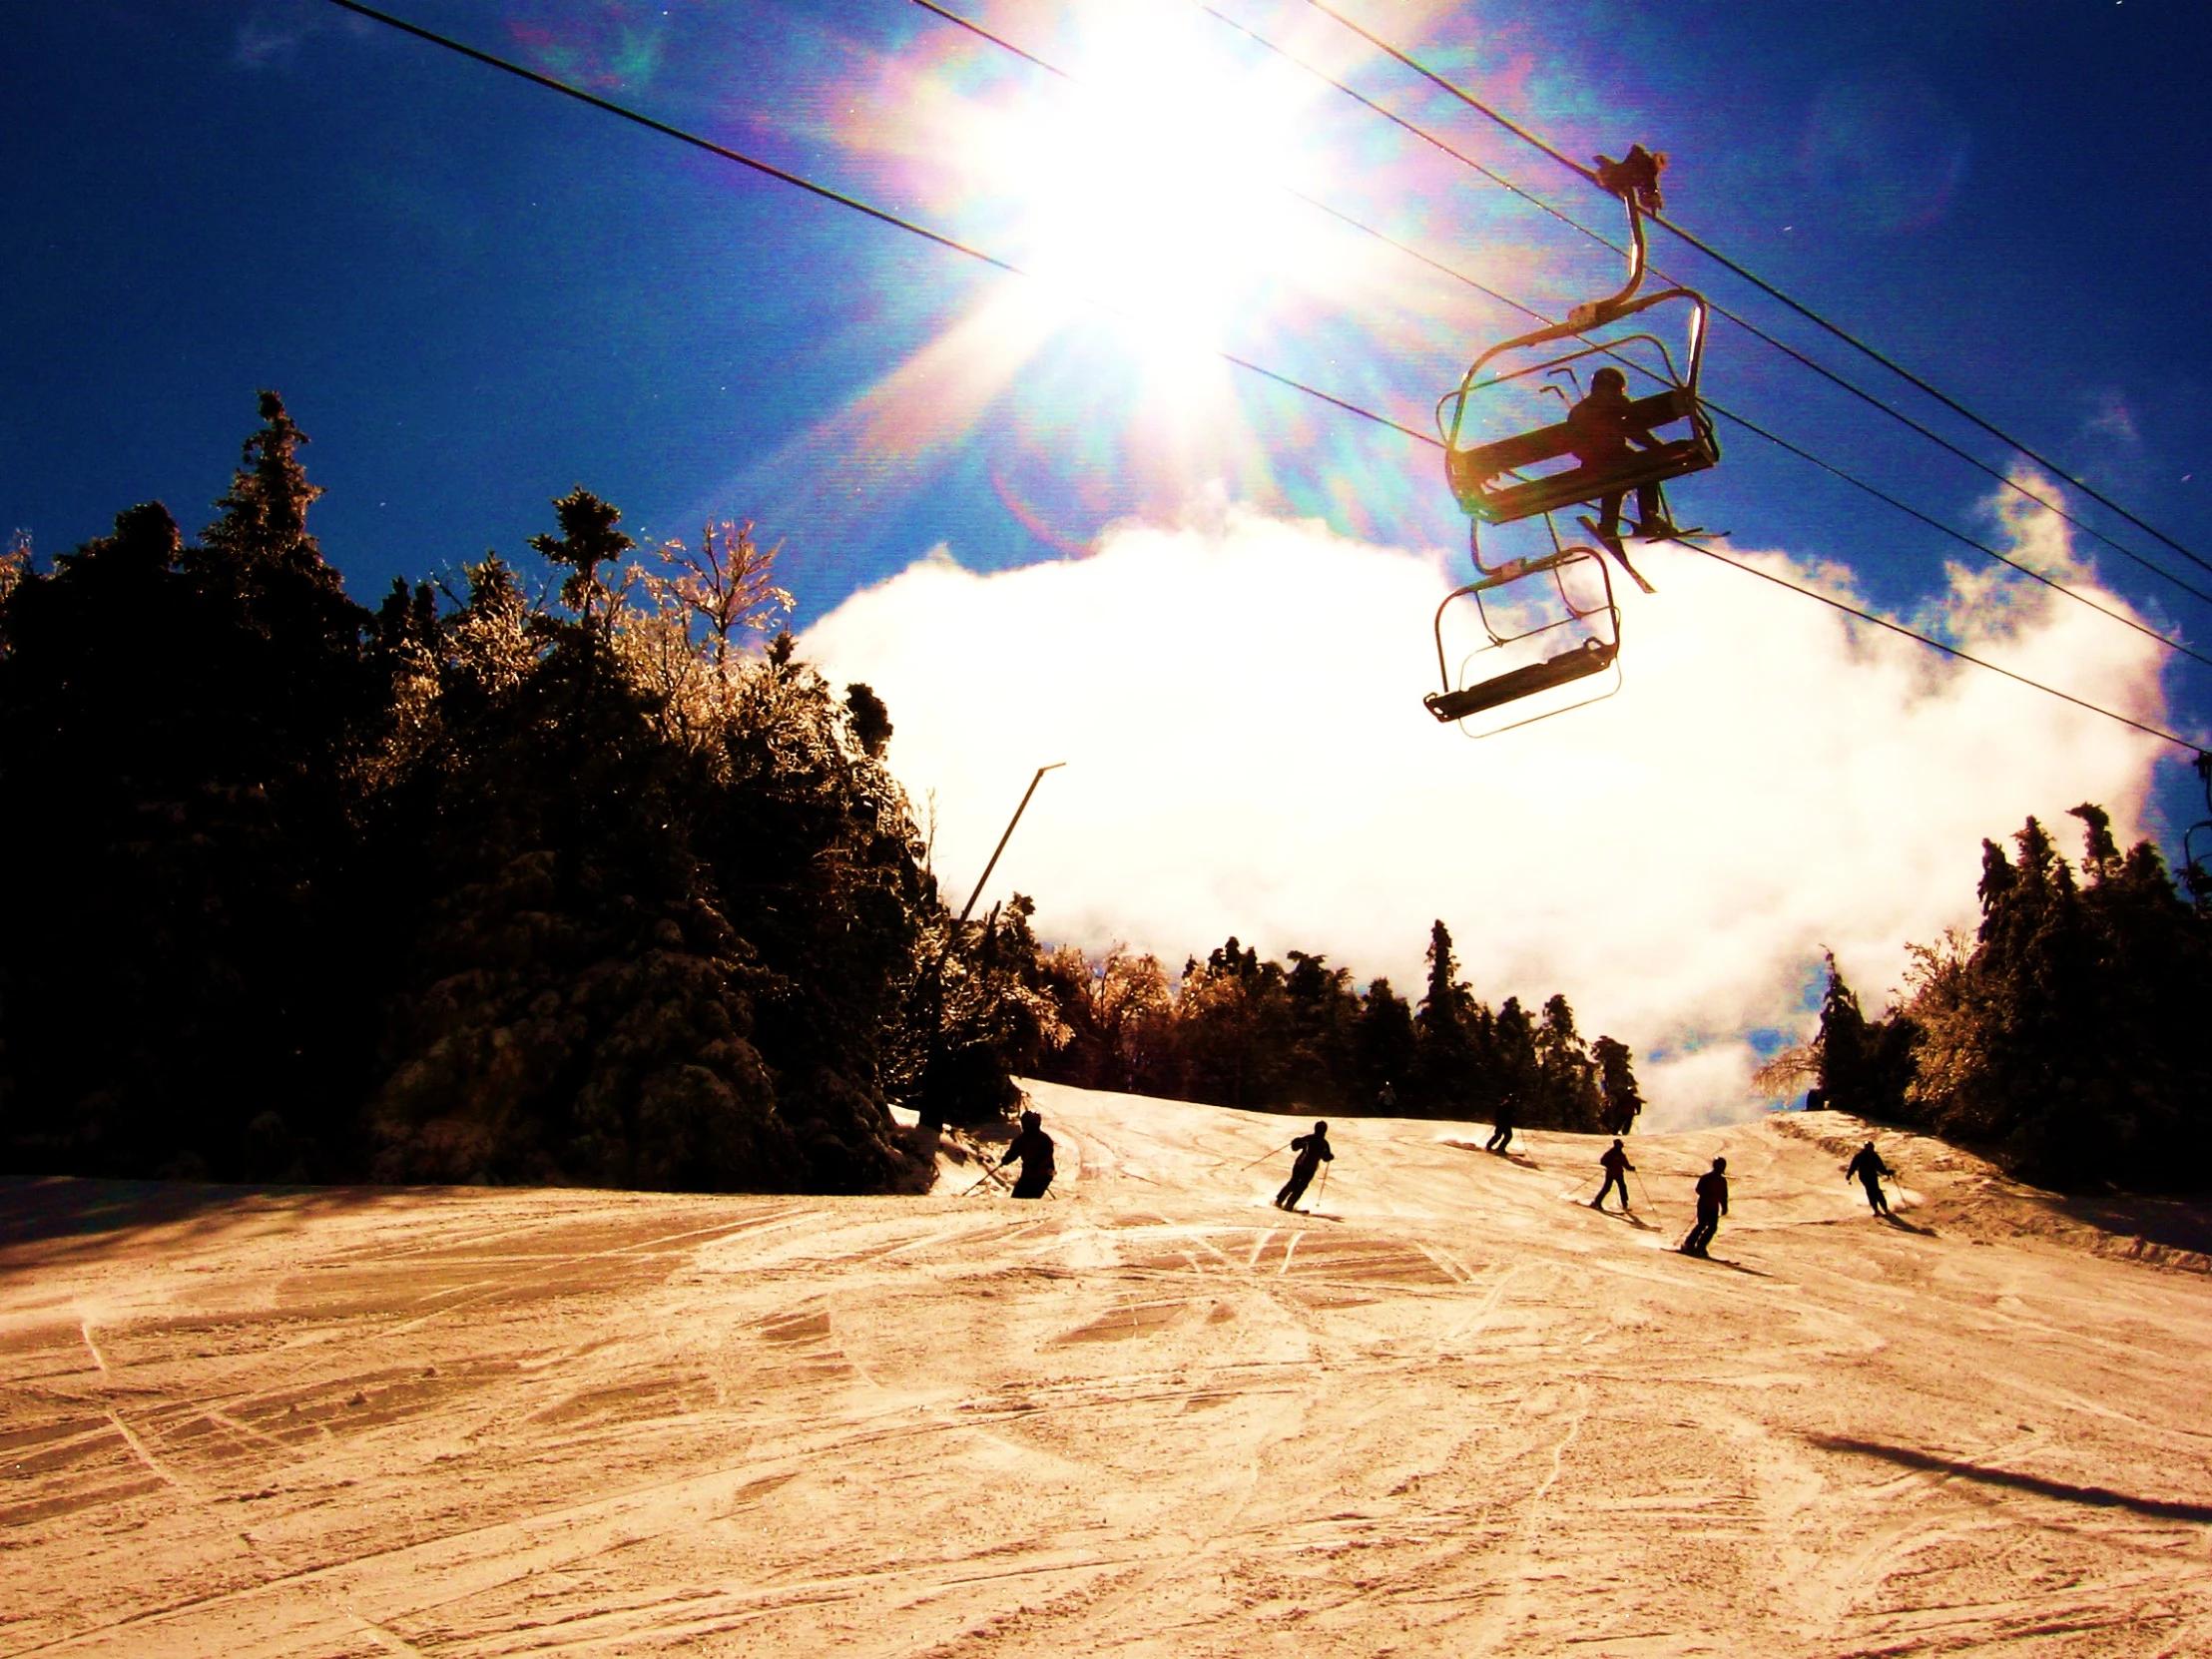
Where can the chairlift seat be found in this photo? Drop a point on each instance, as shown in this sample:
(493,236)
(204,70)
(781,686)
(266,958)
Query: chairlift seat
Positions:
(1593,656)
(1473,472)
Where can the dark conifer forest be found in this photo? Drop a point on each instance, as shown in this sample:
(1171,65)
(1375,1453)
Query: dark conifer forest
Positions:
(2065,1037)
(1238,1030)
(476,886)
(603,885)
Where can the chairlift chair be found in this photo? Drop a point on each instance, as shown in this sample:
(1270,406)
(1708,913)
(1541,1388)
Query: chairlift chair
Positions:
(1493,480)
(1577,634)
(1505,479)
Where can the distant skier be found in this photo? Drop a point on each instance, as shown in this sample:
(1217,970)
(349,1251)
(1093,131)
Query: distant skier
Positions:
(1712,1203)
(1870,1169)
(1616,1166)
(1386,1101)
(1501,1133)
(1312,1150)
(1034,1148)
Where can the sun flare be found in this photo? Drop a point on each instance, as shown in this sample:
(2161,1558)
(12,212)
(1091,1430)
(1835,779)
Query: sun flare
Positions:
(1155,187)
(1161,184)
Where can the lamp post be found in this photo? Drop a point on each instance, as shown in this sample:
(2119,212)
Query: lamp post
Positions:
(982,880)
(930,1118)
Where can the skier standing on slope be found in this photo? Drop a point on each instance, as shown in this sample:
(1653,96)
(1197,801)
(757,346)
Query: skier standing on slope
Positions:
(1311,1150)
(1616,1167)
(1712,1203)
(1501,1131)
(1870,1169)
(1034,1148)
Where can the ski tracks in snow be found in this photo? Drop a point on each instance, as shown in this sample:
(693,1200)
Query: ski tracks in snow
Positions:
(1152,1416)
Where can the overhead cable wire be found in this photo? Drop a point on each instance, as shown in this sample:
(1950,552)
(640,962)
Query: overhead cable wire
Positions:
(1958,536)
(1749,425)
(1937,645)
(885,216)
(1810,316)
(881,216)
(1603,240)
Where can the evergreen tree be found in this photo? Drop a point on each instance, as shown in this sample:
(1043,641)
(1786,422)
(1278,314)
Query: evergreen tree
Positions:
(1514,1068)
(1237,1025)
(1861,1066)
(2063,1040)
(1566,1092)
(1446,1080)
(477,887)
(1385,1044)
(1324,1019)
(872,722)
(1617,1082)
(1841,1045)
(181,737)
(588,539)
(265,517)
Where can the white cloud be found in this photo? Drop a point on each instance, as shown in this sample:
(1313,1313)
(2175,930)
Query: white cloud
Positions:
(1239,704)
(2113,417)
(272,33)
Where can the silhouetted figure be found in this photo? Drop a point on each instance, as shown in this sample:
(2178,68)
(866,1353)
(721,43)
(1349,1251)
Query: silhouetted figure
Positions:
(1616,1167)
(1034,1148)
(1712,1203)
(1602,430)
(1870,1169)
(1386,1101)
(1311,1150)
(1501,1133)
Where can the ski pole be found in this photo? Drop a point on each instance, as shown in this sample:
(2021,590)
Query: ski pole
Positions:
(991,1177)
(1324,1193)
(1640,1186)
(1265,1156)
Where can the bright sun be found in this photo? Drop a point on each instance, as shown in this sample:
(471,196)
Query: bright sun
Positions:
(1155,188)
(1152,199)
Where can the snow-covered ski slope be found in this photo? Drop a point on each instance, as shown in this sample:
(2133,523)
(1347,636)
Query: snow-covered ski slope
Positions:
(1150,1416)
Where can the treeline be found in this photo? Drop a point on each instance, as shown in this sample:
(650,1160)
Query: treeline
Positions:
(1239,1030)
(600,885)
(2067,1037)
(479,887)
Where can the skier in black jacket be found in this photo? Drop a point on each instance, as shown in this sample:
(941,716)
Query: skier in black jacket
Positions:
(1312,1150)
(1616,1166)
(1870,1169)
(1034,1148)
(1712,1203)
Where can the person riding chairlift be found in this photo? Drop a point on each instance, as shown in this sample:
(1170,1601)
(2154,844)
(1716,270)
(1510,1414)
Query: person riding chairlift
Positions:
(1603,428)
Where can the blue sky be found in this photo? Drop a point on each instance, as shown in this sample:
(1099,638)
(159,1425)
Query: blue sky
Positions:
(475,293)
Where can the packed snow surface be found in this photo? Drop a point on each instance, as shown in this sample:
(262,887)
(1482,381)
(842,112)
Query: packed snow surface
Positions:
(1453,1411)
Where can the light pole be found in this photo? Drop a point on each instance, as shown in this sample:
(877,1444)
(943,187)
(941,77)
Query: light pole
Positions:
(1004,839)
(929,1116)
